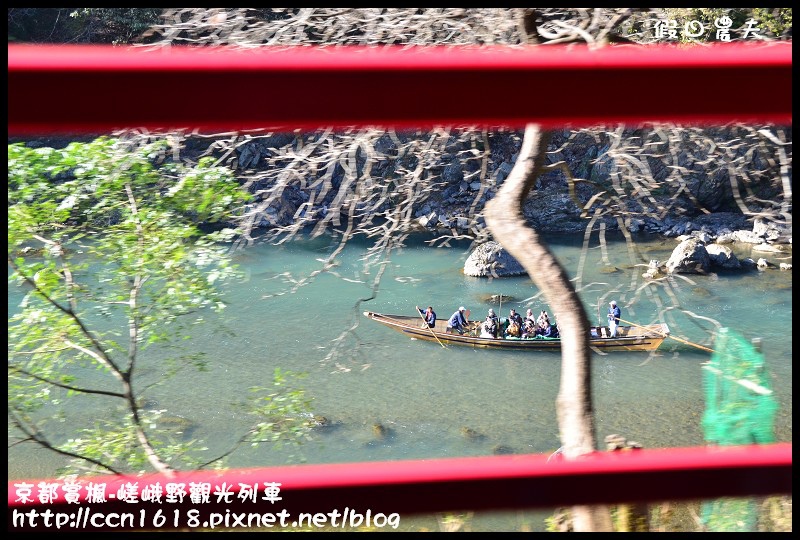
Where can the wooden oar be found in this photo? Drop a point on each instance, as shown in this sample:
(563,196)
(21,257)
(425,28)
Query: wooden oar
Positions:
(429,328)
(669,336)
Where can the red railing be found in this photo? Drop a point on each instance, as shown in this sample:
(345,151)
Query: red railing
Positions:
(71,89)
(92,89)
(435,485)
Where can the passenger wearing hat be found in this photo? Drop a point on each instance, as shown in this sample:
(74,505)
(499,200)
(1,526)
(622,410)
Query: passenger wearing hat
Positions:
(613,318)
(529,325)
(489,326)
(514,324)
(457,322)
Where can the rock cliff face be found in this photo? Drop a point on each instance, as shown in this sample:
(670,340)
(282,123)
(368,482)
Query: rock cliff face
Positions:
(670,196)
(461,174)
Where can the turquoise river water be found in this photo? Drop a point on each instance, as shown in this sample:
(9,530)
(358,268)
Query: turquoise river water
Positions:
(426,394)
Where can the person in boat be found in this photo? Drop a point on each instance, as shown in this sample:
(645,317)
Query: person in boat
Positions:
(548,330)
(542,322)
(490,325)
(529,317)
(513,316)
(514,324)
(529,324)
(614,314)
(528,328)
(429,315)
(457,322)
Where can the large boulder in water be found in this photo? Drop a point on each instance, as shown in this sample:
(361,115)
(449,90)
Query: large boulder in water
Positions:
(690,257)
(490,259)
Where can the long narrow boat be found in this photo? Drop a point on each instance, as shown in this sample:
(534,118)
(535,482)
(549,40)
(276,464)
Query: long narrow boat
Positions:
(629,338)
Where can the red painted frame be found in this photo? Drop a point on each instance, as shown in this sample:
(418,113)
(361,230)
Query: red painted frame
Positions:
(470,483)
(96,89)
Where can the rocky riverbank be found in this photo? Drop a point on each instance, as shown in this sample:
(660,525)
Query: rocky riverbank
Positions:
(587,184)
(704,246)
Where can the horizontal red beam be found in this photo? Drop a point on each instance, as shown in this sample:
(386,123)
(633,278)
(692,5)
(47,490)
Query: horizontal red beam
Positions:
(96,89)
(456,484)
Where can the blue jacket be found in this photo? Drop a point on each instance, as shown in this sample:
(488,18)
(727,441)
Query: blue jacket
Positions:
(550,331)
(430,319)
(457,321)
(615,313)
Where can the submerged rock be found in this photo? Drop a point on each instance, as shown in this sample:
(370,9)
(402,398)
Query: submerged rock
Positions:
(471,434)
(723,257)
(381,431)
(178,425)
(495,298)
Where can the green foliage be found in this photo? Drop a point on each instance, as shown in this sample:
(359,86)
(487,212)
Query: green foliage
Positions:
(104,238)
(775,22)
(117,442)
(283,411)
(115,25)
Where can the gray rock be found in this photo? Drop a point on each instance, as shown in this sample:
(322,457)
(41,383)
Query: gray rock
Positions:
(763,264)
(654,270)
(749,263)
(723,257)
(689,257)
(703,236)
(490,259)
(726,238)
(429,220)
(453,174)
(772,231)
(747,237)
(503,171)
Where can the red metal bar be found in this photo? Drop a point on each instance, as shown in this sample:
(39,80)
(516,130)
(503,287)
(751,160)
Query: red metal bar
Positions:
(96,89)
(440,485)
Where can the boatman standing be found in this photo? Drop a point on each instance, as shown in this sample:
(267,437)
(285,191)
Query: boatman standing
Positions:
(614,314)
(457,321)
(429,315)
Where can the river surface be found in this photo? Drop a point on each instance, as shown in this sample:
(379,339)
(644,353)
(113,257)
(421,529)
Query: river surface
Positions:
(428,396)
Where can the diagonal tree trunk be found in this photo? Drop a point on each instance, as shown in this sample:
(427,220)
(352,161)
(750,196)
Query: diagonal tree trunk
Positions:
(506,221)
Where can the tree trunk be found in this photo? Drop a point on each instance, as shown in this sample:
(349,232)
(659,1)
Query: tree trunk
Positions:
(505,219)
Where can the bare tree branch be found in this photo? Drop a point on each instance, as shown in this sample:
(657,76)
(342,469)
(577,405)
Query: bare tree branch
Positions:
(506,221)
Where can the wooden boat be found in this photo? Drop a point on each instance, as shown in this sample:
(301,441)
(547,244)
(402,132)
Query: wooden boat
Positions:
(629,338)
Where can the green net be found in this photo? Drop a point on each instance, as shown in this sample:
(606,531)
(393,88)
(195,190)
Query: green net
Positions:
(740,409)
